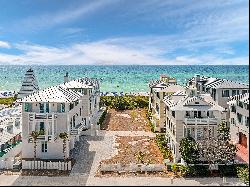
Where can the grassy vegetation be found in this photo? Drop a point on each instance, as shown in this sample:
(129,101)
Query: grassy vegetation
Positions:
(162,144)
(7,101)
(125,102)
(102,118)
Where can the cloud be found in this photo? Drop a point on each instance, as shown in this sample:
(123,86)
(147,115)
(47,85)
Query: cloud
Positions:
(102,53)
(4,44)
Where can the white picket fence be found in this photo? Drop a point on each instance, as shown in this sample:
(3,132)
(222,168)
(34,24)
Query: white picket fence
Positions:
(46,165)
(6,164)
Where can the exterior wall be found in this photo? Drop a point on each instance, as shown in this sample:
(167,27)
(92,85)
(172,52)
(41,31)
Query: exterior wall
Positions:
(236,127)
(54,150)
(175,127)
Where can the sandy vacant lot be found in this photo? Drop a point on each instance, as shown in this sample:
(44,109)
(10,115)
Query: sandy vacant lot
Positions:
(126,120)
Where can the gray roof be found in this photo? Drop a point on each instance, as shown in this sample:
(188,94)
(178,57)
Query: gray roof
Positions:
(53,94)
(223,83)
(182,102)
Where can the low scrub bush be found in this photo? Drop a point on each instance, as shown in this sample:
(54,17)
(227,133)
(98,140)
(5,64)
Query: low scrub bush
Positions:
(102,118)
(162,144)
(125,102)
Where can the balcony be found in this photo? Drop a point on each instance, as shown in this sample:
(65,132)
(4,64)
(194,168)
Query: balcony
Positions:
(49,138)
(200,121)
(33,116)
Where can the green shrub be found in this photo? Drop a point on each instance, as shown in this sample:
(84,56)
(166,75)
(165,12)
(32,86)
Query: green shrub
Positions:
(230,170)
(175,168)
(189,150)
(162,144)
(125,102)
(102,118)
(243,173)
(7,101)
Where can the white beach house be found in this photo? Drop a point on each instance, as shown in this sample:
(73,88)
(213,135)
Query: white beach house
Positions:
(219,89)
(239,124)
(29,84)
(68,107)
(10,129)
(158,90)
(190,113)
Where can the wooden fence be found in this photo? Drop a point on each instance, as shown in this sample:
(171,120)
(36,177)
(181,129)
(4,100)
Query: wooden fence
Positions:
(39,164)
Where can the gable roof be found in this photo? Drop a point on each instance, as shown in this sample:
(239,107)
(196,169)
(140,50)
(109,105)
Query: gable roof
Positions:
(53,94)
(182,102)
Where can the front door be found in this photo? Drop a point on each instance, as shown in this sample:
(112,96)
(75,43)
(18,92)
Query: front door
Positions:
(242,139)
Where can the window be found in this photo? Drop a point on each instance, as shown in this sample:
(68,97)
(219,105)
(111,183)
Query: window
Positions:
(225,93)
(187,114)
(239,117)
(188,132)
(235,92)
(41,106)
(195,114)
(80,111)
(207,113)
(27,107)
(44,147)
(41,128)
(233,109)
(62,107)
(71,106)
(157,108)
(244,91)
(158,94)
(232,121)
(47,107)
(173,114)
(199,114)
(167,108)
(240,104)
(196,102)
(74,121)
(247,121)
(199,133)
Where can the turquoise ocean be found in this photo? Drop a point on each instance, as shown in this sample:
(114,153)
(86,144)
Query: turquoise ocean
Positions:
(128,78)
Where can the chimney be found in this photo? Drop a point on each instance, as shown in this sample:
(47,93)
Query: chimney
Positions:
(66,77)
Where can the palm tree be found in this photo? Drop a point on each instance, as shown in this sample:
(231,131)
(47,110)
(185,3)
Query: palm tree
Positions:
(64,137)
(35,135)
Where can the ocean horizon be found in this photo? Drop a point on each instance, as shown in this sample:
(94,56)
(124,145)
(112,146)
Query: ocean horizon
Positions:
(117,78)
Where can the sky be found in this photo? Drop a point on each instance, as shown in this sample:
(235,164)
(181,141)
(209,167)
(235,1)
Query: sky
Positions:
(124,32)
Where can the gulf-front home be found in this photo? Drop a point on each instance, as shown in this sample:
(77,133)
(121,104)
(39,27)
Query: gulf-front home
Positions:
(189,113)
(158,90)
(68,107)
(219,89)
(239,124)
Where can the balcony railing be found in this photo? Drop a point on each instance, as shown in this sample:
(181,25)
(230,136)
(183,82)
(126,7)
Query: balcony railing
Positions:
(48,138)
(77,129)
(33,116)
(200,121)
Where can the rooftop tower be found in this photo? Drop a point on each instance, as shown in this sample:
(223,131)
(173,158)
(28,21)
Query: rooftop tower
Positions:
(29,85)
